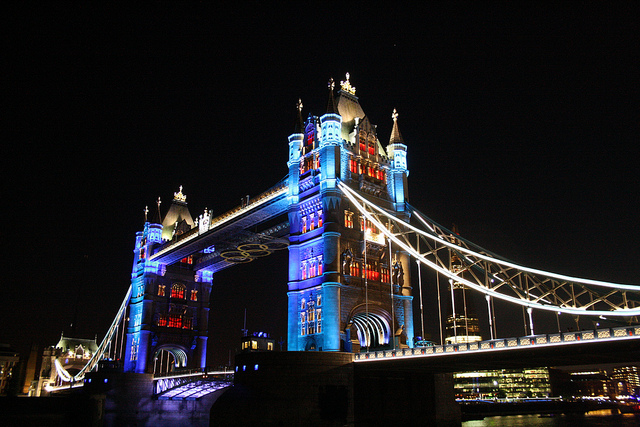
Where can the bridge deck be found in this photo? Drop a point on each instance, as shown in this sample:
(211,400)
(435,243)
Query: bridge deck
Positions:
(610,345)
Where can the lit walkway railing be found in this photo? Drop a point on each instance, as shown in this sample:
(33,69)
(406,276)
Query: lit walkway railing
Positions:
(564,338)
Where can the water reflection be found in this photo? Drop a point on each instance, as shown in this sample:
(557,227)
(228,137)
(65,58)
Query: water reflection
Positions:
(603,417)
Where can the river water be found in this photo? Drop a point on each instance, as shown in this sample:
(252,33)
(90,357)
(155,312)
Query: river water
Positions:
(590,419)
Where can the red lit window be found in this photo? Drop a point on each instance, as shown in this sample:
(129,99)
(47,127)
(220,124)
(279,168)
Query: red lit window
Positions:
(355,270)
(371,149)
(174,321)
(363,144)
(320,218)
(304,224)
(187,323)
(304,270)
(311,222)
(319,267)
(353,166)
(178,291)
(162,320)
(194,295)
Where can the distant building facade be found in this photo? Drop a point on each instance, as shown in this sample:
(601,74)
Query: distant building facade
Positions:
(9,365)
(502,384)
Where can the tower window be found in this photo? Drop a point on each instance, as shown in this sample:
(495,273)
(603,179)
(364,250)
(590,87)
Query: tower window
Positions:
(304,224)
(194,295)
(319,218)
(161,290)
(178,291)
(348,219)
(311,221)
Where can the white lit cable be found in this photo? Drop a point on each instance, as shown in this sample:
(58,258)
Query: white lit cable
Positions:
(352,196)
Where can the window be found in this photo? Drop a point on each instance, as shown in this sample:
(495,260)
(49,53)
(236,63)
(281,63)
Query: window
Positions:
(161,290)
(319,266)
(187,323)
(353,166)
(178,291)
(304,224)
(303,270)
(187,260)
(311,221)
(174,321)
(194,295)
(162,320)
(319,218)
(348,219)
(312,269)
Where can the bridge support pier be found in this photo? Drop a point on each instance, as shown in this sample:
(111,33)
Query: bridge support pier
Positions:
(392,395)
(329,388)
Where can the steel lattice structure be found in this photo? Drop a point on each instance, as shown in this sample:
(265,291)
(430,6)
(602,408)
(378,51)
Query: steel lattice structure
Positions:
(495,276)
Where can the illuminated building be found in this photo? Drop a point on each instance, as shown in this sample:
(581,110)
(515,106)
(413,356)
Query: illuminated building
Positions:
(258,341)
(347,288)
(462,325)
(628,376)
(502,383)
(62,361)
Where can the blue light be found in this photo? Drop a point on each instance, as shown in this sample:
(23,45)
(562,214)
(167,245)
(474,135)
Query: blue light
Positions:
(106,380)
(244,368)
(255,367)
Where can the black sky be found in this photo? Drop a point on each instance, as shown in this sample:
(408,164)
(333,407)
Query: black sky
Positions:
(521,123)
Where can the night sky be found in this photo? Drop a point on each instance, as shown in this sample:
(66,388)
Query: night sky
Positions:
(522,128)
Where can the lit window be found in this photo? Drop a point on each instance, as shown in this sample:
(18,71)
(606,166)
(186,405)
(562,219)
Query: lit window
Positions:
(312,269)
(348,219)
(319,266)
(311,221)
(162,320)
(319,218)
(303,305)
(194,295)
(304,270)
(174,321)
(187,260)
(304,224)
(269,347)
(178,291)
(187,323)
(319,300)
(161,290)
(254,345)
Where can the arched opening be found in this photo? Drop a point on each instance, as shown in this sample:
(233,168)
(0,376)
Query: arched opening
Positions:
(168,359)
(371,329)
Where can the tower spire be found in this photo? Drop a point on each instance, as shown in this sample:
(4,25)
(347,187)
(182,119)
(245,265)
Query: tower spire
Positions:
(299,127)
(396,137)
(331,105)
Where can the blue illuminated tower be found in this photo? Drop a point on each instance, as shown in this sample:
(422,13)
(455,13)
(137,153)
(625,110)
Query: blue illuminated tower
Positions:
(169,305)
(341,268)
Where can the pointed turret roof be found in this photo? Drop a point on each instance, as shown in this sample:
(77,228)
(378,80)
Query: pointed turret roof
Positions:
(396,137)
(178,212)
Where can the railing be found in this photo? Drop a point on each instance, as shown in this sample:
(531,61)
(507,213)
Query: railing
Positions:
(623,332)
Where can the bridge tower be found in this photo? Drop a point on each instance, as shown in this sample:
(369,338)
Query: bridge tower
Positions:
(169,305)
(348,287)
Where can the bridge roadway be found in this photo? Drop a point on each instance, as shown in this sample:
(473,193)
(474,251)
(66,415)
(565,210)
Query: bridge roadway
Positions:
(248,223)
(600,346)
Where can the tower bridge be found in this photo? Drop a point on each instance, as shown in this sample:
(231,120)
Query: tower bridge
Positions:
(342,214)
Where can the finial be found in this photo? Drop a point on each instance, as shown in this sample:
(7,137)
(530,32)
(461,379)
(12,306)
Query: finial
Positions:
(346,85)
(331,84)
(146,211)
(394,116)
(158,202)
(299,105)
(179,196)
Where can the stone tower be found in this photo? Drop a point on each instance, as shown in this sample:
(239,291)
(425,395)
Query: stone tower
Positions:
(169,305)
(348,287)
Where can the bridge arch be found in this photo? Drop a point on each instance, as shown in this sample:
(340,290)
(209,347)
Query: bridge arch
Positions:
(370,327)
(169,357)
